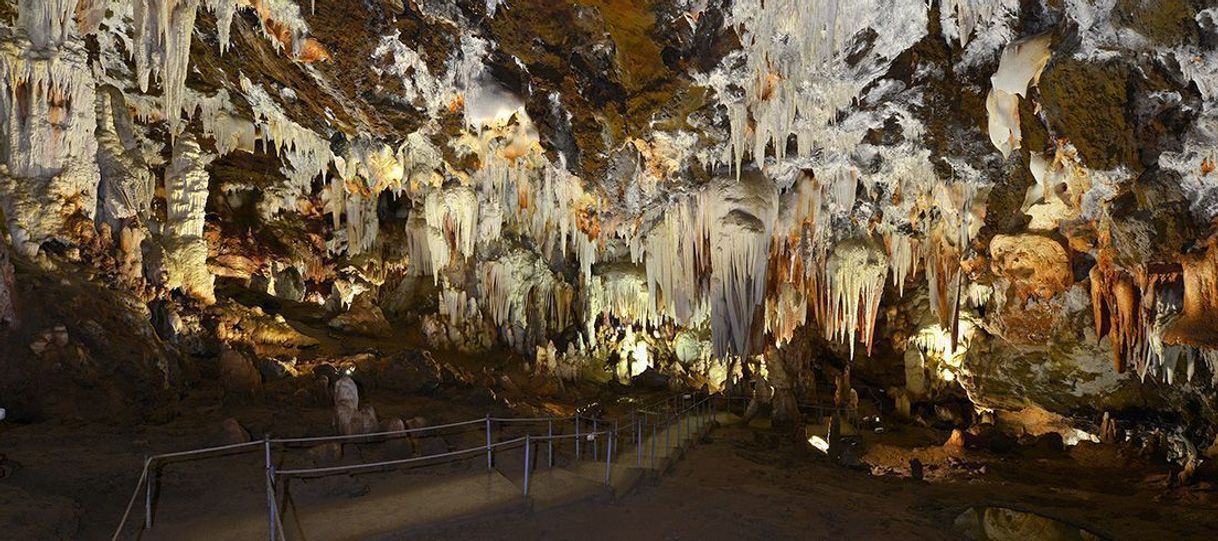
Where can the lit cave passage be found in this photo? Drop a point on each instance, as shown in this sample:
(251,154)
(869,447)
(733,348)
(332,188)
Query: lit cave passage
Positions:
(608,269)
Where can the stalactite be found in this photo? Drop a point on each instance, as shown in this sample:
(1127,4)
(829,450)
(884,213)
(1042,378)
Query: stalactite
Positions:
(48,170)
(737,219)
(163,30)
(452,305)
(47,22)
(306,155)
(453,212)
(224,11)
(669,256)
(1196,325)
(856,273)
(965,14)
(1115,301)
(1019,67)
(942,268)
(795,82)
(620,291)
(904,252)
(221,122)
(524,299)
(418,247)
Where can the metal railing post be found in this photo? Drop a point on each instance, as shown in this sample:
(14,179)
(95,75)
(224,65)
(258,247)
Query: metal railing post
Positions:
(690,417)
(578,455)
(615,428)
(148,493)
(596,441)
(488,442)
(609,460)
(550,441)
(681,428)
(653,444)
(667,431)
(270,487)
(527,445)
(638,440)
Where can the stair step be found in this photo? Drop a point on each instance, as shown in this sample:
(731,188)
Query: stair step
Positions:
(556,487)
(623,478)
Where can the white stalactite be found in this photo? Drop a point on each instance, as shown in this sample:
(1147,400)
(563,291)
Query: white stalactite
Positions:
(163,30)
(856,273)
(736,221)
(1019,67)
(48,120)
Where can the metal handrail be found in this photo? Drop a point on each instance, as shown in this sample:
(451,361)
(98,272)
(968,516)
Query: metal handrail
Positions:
(374,465)
(145,481)
(409,431)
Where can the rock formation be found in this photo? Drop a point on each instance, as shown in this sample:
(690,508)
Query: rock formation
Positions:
(1007,203)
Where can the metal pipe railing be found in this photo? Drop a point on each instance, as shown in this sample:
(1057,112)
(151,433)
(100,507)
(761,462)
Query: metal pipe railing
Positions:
(373,465)
(271,508)
(354,437)
(674,411)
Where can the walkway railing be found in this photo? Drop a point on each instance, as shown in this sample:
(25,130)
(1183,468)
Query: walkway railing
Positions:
(683,413)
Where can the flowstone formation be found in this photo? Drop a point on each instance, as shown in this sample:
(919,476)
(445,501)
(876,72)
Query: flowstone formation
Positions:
(1007,202)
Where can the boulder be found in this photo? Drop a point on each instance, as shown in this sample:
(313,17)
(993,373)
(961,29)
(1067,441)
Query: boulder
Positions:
(413,371)
(231,432)
(364,319)
(237,372)
(956,441)
(650,379)
(326,454)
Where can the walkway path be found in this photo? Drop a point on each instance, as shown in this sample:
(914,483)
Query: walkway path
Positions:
(389,503)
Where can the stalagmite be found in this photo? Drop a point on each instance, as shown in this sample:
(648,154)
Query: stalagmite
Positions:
(349,418)
(186,185)
(126,188)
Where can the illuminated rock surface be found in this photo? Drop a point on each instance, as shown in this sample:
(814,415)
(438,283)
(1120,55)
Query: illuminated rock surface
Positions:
(956,209)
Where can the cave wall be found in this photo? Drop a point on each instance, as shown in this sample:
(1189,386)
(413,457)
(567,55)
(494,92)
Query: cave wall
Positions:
(1012,199)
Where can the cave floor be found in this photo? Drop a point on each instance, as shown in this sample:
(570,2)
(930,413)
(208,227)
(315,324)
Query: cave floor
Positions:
(71,481)
(740,484)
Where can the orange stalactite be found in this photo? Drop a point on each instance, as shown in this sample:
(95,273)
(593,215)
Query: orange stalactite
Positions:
(1197,325)
(1116,305)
